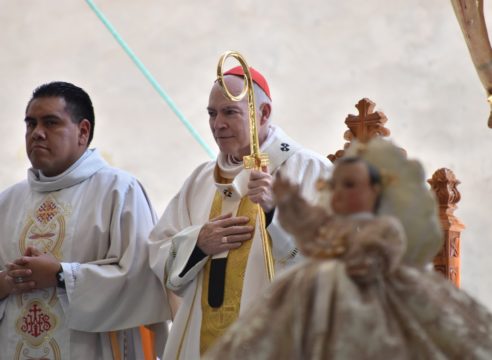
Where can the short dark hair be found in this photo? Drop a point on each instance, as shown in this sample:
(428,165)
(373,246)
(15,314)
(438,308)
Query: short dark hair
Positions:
(79,104)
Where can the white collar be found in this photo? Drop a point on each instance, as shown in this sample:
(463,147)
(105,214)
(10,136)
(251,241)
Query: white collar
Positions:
(89,163)
(279,148)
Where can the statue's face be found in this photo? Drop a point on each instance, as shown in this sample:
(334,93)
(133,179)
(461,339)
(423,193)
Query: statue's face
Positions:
(352,191)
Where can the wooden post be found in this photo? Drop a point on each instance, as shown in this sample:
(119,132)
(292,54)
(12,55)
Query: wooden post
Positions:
(444,184)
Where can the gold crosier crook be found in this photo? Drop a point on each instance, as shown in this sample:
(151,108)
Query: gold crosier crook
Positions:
(256,160)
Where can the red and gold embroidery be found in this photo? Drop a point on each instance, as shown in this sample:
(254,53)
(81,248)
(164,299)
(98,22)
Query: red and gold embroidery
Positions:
(45,228)
(47,211)
(36,323)
(38,319)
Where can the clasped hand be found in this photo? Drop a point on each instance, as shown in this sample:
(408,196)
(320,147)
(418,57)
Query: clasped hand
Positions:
(34,270)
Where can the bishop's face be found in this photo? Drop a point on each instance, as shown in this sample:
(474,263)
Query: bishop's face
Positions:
(352,191)
(229,120)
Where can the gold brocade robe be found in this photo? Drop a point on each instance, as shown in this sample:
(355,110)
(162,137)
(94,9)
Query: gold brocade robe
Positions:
(215,320)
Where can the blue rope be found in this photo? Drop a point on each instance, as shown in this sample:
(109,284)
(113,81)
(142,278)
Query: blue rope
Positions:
(151,79)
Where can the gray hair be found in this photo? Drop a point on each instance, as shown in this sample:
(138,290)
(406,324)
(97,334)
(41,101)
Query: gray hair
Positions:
(261,98)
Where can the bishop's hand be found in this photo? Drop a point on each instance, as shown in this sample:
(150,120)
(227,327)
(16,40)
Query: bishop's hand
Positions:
(260,189)
(224,233)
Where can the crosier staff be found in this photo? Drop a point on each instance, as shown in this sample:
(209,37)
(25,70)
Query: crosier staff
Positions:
(256,160)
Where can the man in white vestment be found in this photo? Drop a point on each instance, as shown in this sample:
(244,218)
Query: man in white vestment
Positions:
(207,247)
(75,281)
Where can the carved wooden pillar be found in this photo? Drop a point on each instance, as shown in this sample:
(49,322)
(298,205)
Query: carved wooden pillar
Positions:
(363,127)
(447,262)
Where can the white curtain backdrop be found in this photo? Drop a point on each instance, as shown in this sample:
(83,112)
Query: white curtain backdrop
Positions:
(320,57)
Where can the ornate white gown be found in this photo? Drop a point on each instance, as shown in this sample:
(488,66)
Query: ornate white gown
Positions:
(366,290)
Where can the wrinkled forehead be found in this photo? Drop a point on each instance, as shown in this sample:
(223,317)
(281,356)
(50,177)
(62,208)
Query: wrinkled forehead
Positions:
(234,84)
(46,104)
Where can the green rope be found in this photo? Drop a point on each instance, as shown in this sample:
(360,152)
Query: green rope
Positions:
(151,79)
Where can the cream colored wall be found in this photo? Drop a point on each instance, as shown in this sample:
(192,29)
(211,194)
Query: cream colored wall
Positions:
(320,56)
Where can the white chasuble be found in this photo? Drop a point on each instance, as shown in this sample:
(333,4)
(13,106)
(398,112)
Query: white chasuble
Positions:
(95,220)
